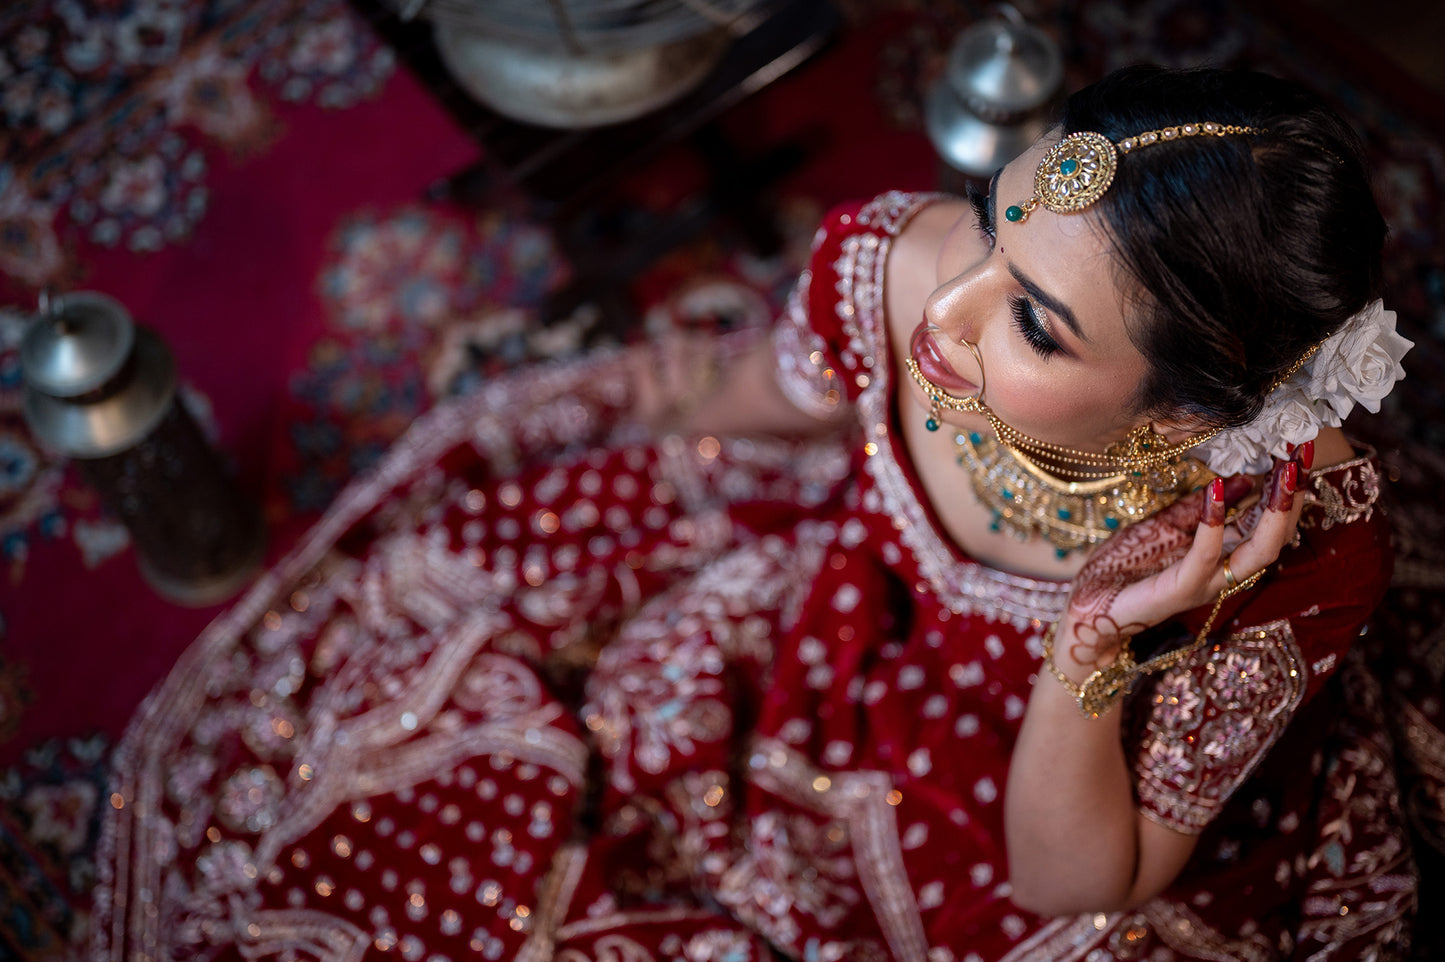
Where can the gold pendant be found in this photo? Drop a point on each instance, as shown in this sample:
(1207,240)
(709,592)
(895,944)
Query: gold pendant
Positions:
(1029,502)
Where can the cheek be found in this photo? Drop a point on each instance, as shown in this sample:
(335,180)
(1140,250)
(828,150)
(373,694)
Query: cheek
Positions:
(1059,405)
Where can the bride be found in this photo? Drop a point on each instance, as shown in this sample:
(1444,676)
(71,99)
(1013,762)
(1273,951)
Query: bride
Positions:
(988,608)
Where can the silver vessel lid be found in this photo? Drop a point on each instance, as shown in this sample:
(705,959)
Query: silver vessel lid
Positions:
(1005,68)
(76,344)
(95,384)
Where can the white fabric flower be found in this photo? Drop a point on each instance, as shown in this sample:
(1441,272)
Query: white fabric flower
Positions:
(1358,364)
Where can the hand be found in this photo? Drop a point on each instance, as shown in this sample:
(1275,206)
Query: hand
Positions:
(1174,562)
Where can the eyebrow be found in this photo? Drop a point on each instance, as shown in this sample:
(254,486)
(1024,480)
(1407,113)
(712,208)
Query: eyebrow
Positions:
(1054,305)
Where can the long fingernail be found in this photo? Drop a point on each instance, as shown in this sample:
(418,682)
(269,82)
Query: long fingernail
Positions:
(1282,486)
(1306,456)
(1214,504)
(1236,486)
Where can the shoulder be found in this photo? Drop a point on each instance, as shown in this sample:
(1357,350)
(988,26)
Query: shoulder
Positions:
(832,336)
(1342,552)
(1325,586)
(890,215)
(1344,535)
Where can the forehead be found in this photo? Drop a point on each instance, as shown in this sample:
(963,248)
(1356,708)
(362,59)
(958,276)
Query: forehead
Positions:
(1069,256)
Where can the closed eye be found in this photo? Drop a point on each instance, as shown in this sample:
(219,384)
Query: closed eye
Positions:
(1029,318)
(979,202)
(1031,327)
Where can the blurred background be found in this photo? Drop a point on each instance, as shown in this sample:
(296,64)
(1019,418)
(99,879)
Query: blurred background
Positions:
(334,213)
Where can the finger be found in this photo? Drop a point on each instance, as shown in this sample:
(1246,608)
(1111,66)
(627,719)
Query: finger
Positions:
(1186,582)
(1276,525)
(1237,487)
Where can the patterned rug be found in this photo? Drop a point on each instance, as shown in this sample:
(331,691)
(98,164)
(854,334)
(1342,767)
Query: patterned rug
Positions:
(250,178)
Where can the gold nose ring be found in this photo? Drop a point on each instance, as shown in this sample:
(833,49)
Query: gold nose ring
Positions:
(982,375)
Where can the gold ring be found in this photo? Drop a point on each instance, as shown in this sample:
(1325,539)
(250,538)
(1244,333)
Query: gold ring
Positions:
(1230,582)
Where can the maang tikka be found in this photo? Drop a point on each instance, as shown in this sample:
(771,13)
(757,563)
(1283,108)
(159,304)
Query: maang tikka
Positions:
(1079,169)
(1017,476)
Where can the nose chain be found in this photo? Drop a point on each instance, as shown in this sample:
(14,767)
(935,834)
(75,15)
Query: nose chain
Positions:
(1017,476)
(1143,449)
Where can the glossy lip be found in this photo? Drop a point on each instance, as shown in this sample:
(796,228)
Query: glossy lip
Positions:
(924,349)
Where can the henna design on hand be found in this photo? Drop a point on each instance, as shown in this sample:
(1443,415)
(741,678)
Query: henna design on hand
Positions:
(1136,553)
(1098,642)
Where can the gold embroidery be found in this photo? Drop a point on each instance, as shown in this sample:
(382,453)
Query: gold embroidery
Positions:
(861,800)
(1342,494)
(1210,721)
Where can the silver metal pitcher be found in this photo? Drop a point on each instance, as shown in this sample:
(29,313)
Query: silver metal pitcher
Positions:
(994,99)
(102,391)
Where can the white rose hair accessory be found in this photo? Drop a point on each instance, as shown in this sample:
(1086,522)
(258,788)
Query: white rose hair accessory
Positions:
(1358,364)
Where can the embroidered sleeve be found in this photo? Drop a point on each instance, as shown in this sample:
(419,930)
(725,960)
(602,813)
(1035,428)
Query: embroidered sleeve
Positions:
(830,337)
(1207,723)
(804,371)
(1336,496)
(1342,495)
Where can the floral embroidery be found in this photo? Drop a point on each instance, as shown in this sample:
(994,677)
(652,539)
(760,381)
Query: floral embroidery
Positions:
(1343,494)
(393,709)
(1195,750)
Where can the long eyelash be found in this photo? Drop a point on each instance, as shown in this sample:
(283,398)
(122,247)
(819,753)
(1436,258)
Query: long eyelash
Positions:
(979,202)
(1027,324)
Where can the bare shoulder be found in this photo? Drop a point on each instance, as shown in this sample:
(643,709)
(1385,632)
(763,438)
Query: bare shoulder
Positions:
(916,249)
(1332,447)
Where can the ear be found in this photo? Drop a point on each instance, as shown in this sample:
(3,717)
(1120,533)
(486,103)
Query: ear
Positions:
(1180,428)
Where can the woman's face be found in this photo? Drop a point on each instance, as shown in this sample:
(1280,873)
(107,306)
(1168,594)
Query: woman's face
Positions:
(1042,302)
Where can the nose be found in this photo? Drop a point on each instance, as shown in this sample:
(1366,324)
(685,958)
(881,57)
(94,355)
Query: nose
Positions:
(954,310)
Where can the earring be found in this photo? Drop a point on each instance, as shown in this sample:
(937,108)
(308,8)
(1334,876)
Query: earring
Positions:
(935,414)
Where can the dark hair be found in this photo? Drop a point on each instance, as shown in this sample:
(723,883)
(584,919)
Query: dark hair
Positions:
(1249,249)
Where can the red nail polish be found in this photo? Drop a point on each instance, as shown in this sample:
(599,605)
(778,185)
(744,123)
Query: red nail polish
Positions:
(1237,486)
(1288,448)
(1282,483)
(1214,504)
(1307,455)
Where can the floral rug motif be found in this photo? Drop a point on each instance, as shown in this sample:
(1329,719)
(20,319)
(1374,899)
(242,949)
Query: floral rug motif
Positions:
(49,826)
(412,299)
(120,118)
(117,111)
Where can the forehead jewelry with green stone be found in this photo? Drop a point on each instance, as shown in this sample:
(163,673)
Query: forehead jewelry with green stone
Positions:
(1079,169)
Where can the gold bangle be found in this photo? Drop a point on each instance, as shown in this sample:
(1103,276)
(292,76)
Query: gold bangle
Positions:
(1104,687)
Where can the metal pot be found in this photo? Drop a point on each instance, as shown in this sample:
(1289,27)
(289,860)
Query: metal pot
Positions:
(995,96)
(101,390)
(575,89)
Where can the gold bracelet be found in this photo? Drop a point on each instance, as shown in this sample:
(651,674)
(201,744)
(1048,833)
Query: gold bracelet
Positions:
(1102,688)
(1107,685)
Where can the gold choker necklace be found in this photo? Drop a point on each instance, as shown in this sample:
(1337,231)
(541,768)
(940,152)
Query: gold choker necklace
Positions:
(1027,501)
(1016,476)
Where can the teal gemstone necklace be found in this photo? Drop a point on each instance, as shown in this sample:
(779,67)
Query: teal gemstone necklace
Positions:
(1028,501)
